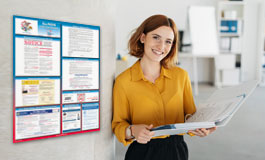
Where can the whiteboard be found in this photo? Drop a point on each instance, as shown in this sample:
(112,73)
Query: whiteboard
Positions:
(203,31)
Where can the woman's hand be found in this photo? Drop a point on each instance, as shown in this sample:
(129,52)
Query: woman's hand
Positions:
(142,133)
(202,132)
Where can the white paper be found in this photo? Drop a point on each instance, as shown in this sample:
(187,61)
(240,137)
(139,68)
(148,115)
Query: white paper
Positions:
(37,121)
(223,104)
(80,74)
(71,118)
(90,116)
(37,57)
(80,42)
(216,111)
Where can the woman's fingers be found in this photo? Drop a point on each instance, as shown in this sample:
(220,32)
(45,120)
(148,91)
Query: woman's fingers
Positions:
(197,132)
(202,132)
(212,129)
(194,132)
(143,138)
(142,133)
(150,126)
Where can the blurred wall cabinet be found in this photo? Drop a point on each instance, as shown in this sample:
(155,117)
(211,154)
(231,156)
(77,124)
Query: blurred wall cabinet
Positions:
(230,20)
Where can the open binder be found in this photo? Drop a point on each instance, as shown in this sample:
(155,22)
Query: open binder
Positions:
(217,110)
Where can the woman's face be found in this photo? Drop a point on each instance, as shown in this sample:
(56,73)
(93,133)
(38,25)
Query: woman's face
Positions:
(157,43)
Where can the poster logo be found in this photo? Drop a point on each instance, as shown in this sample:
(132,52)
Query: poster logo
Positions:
(25,26)
(81,97)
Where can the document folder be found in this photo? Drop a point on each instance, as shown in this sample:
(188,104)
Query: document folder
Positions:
(217,110)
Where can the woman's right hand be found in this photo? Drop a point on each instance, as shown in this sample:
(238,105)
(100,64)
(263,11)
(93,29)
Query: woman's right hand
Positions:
(142,133)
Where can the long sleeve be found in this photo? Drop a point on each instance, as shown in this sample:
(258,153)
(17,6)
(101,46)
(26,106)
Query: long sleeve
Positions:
(189,105)
(121,113)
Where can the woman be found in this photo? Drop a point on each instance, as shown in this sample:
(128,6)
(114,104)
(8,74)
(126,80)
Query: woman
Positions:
(153,92)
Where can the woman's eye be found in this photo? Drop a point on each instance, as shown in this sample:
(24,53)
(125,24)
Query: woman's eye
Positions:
(156,37)
(168,42)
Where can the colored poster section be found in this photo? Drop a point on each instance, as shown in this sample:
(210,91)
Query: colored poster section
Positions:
(71,118)
(80,74)
(37,121)
(37,91)
(80,41)
(49,28)
(37,56)
(80,96)
(90,116)
(37,27)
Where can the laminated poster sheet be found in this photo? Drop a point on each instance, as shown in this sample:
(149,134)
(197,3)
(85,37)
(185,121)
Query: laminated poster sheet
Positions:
(56,77)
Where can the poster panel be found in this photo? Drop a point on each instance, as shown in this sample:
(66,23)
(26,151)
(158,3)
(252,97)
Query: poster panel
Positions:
(80,41)
(37,56)
(37,121)
(80,74)
(71,118)
(37,27)
(80,96)
(37,91)
(90,116)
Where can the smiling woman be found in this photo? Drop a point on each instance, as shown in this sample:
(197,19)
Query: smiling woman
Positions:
(151,93)
(136,46)
(157,43)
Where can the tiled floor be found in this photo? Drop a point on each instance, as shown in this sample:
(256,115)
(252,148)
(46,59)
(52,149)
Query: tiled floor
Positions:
(243,138)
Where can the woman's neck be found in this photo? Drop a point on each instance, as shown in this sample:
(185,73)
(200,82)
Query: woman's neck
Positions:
(151,69)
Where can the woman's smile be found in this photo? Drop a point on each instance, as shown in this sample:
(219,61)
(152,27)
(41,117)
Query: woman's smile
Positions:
(157,52)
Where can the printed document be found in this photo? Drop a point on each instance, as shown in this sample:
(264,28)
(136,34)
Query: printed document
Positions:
(218,109)
(37,56)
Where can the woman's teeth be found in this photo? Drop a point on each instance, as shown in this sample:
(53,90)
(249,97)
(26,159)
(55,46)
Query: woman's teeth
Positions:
(157,52)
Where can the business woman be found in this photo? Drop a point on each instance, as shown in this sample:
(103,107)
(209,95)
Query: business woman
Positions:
(153,92)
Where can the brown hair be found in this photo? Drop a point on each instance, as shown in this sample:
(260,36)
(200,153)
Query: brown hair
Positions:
(136,48)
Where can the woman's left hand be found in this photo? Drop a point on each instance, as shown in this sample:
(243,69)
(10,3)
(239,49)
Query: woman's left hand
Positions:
(202,132)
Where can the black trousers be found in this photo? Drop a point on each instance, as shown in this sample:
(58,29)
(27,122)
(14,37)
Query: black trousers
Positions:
(170,148)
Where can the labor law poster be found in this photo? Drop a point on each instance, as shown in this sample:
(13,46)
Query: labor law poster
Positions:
(55,78)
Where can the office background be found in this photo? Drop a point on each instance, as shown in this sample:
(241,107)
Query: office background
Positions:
(242,138)
(137,11)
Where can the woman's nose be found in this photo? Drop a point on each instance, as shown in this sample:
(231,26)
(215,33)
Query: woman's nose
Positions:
(161,45)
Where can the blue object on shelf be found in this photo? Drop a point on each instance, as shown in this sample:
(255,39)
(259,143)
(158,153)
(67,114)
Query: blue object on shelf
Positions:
(118,57)
(229,26)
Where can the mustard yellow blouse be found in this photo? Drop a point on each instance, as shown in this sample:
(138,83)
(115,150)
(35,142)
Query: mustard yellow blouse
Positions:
(139,101)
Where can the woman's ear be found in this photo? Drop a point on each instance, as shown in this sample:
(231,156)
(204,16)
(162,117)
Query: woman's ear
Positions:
(142,38)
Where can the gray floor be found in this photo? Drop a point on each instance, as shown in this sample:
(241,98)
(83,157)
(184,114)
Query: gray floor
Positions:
(243,138)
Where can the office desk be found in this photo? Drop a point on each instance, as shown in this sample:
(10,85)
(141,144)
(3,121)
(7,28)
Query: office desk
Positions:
(195,67)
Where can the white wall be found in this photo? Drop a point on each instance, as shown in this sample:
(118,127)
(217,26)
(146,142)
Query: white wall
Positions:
(253,39)
(85,146)
(260,38)
(249,54)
